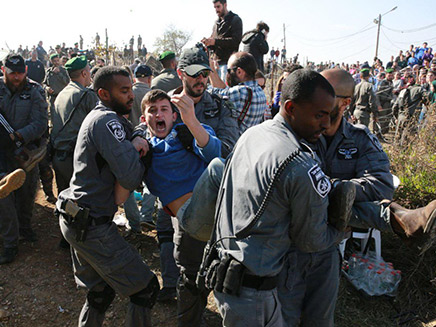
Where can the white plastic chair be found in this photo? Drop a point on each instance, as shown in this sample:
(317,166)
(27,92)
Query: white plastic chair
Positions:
(364,236)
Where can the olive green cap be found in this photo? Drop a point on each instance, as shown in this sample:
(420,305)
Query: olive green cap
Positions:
(389,70)
(54,55)
(76,63)
(167,55)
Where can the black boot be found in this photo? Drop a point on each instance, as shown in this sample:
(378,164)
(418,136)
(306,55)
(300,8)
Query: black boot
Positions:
(341,200)
(8,255)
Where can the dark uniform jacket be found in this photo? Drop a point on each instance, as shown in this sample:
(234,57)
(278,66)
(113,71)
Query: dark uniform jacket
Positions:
(227,33)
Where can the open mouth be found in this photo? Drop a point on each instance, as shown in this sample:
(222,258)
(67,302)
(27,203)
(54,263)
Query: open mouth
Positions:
(160,126)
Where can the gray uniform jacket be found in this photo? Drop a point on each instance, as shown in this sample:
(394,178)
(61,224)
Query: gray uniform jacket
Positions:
(166,81)
(26,111)
(103,155)
(139,89)
(356,154)
(364,98)
(298,203)
(218,115)
(64,104)
(56,81)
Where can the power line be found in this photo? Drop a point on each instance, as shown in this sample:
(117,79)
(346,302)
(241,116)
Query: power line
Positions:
(336,38)
(411,30)
(396,46)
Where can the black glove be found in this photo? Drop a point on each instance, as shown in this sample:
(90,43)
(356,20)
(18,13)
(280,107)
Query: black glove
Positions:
(185,136)
(146,160)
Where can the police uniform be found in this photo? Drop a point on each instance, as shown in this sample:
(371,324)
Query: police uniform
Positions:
(26,112)
(365,103)
(66,124)
(298,204)
(104,262)
(355,154)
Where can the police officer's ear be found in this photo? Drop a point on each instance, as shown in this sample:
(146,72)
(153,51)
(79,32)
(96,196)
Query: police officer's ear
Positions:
(103,94)
(142,119)
(289,107)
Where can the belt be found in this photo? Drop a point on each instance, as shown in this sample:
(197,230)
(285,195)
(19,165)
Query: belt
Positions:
(260,283)
(95,221)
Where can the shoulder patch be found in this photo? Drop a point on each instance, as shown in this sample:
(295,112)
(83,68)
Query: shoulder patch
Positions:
(375,141)
(347,153)
(117,130)
(319,180)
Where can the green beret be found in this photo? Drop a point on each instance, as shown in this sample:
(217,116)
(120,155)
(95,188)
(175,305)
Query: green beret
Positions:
(364,70)
(54,55)
(76,63)
(389,70)
(167,55)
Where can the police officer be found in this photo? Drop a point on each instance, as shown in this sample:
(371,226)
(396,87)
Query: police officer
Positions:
(103,261)
(72,105)
(269,175)
(365,101)
(193,70)
(23,105)
(167,79)
(353,153)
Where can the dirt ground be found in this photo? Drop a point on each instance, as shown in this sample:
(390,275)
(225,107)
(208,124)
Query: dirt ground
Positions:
(38,288)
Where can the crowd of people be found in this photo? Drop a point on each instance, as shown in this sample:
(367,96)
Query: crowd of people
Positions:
(249,200)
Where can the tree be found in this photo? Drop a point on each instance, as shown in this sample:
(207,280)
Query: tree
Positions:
(173,39)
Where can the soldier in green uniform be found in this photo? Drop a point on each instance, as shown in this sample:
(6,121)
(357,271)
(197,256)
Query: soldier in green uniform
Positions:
(167,80)
(365,101)
(72,105)
(56,78)
(385,96)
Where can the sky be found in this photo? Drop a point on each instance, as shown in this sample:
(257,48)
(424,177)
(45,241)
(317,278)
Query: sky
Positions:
(318,30)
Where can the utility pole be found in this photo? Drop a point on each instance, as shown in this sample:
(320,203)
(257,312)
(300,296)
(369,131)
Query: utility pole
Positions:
(378,22)
(378,34)
(284,35)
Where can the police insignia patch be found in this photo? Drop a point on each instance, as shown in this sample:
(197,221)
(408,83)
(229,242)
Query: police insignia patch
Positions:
(347,153)
(117,130)
(320,182)
(375,141)
(24,96)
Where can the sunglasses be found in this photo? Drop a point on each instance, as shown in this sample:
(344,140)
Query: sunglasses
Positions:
(204,73)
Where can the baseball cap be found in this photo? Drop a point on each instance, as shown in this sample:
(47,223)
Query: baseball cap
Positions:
(143,71)
(15,63)
(193,60)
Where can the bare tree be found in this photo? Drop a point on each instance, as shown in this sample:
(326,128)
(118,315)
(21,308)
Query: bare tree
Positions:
(173,39)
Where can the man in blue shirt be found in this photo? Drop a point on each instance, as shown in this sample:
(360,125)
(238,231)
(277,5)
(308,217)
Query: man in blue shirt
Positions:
(180,153)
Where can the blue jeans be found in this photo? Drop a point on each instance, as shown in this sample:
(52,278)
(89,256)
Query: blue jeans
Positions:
(196,216)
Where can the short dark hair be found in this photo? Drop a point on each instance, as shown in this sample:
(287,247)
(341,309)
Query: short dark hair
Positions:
(262,26)
(246,61)
(154,96)
(300,86)
(221,1)
(104,77)
(74,74)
